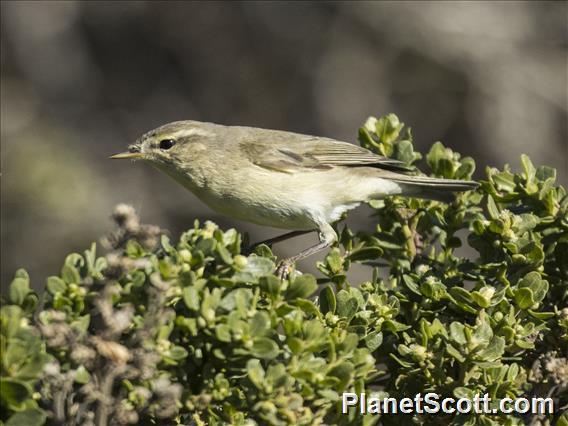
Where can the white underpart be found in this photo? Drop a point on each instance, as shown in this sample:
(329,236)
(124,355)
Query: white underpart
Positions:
(370,189)
(338,211)
(384,187)
(292,201)
(346,196)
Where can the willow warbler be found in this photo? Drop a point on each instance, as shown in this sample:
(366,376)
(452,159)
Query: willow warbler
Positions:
(280,179)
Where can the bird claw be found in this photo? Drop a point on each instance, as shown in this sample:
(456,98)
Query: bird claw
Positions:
(284,269)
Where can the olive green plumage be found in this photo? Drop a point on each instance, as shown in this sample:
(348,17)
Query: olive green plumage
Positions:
(280,179)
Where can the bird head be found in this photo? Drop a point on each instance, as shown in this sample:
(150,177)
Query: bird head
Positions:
(171,143)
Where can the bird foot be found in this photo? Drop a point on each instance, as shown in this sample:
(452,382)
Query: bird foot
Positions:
(284,268)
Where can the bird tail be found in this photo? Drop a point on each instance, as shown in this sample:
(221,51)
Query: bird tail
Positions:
(431,188)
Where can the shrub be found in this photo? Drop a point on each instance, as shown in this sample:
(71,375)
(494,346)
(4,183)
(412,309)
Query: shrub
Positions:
(197,333)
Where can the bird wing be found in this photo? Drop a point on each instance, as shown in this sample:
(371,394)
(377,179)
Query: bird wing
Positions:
(298,152)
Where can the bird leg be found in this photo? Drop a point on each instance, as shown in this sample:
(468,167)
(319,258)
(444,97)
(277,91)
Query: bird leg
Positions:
(327,237)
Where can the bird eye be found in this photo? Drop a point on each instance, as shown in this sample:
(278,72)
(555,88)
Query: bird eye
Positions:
(167,143)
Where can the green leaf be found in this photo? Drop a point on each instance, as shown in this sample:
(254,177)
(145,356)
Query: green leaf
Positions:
(543,316)
(19,289)
(23,274)
(524,344)
(82,376)
(395,326)
(313,331)
(400,361)
(494,351)
(302,286)
(377,204)
(255,268)
(27,417)
(512,372)
(335,261)
(446,168)
(544,173)
(387,245)
(457,333)
(441,160)
(344,372)
(277,375)
(388,128)
(492,208)
(33,366)
(481,299)
(307,306)
(528,222)
(75,260)
(224,254)
(404,151)
(263,250)
(11,319)
(237,299)
(454,353)
(482,334)
(411,284)
(81,323)
(466,169)
(373,340)
(346,304)
(70,274)
(524,298)
(166,245)
(16,353)
(462,392)
(462,298)
(329,394)
(206,245)
(13,393)
(223,333)
(259,323)
(538,286)
(191,298)
(327,300)
(177,353)
(365,253)
(296,345)
(349,343)
(529,170)
(264,348)
(134,249)
(563,420)
(256,373)
(434,290)
(56,285)
(504,181)
(270,284)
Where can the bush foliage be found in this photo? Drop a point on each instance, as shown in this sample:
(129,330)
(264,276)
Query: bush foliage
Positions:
(467,297)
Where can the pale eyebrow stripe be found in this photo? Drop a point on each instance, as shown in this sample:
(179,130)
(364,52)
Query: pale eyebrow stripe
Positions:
(191,132)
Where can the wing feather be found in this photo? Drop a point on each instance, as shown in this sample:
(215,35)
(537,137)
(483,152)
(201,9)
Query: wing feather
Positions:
(289,152)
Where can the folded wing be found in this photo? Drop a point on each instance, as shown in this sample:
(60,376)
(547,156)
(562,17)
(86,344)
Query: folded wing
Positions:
(308,152)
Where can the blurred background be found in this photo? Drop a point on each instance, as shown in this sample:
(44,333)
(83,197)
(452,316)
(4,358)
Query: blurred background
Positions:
(81,80)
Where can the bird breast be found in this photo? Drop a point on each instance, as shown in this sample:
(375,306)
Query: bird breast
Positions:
(299,200)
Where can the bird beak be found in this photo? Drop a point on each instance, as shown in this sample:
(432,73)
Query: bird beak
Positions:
(127,155)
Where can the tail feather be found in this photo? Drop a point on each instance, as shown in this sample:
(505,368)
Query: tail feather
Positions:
(433,188)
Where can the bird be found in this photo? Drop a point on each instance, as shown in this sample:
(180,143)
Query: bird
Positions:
(297,182)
